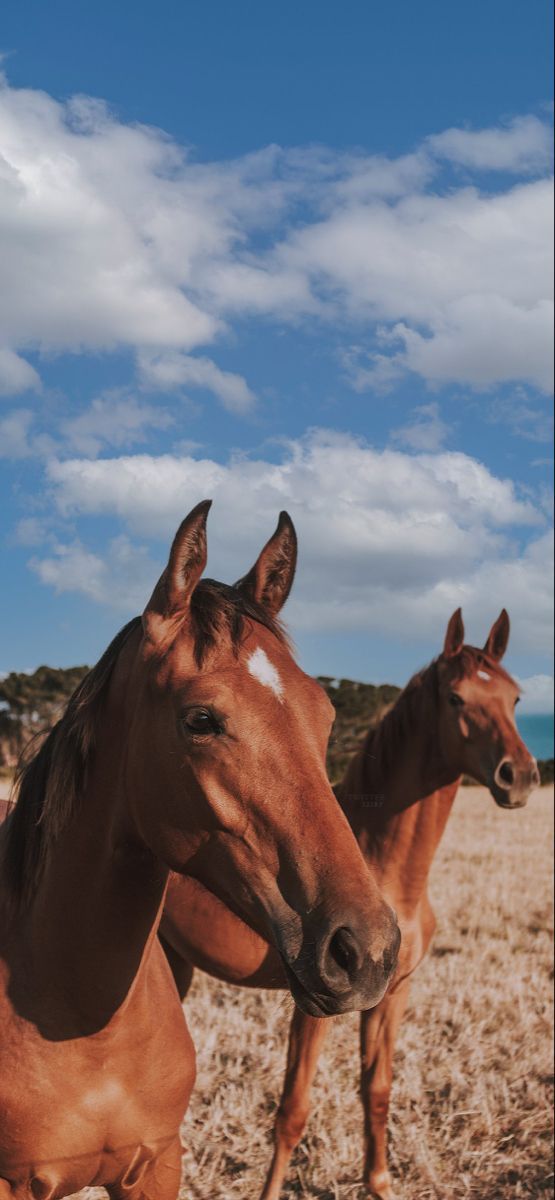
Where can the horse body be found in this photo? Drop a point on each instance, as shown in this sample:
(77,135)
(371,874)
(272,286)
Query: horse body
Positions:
(397,795)
(81,1058)
(189,910)
(178,750)
(97,1111)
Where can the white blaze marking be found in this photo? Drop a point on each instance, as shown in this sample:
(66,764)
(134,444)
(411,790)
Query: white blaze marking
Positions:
(260,666)
(484,675)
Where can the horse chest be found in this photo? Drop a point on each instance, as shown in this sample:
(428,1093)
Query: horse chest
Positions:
(77,1112)
(417,926)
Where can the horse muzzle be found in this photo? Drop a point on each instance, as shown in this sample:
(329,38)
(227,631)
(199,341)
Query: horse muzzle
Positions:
(340,968)
(513,782)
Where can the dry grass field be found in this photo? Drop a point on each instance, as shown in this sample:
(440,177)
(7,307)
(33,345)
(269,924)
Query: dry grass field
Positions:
(471,1112)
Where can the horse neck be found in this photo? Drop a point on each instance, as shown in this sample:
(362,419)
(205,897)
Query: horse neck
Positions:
(398,791)
(86,935)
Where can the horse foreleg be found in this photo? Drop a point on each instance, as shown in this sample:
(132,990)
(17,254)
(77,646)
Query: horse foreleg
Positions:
(181,969)
(378,1032)
(305,1041)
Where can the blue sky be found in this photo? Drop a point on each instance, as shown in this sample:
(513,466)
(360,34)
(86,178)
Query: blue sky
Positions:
(296,257)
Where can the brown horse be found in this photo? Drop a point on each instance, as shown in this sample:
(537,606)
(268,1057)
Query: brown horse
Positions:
(195,743)
(455,717)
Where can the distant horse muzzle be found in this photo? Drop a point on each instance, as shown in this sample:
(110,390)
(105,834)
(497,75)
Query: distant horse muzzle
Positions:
(513,782)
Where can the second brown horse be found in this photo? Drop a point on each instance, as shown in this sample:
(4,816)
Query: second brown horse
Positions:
(455,717)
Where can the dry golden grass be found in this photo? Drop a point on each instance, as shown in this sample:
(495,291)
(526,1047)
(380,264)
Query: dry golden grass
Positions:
(471,1110)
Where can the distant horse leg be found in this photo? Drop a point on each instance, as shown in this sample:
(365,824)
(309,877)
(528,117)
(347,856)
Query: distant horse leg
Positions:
(157,1179)
(305,1041)
(378,1032)
(181,970)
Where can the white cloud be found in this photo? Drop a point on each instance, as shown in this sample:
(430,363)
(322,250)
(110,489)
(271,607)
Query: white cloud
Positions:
(458,287)
(389,541)
(170,369)
(128,242)
(113,419)
(524,145)
(31,531)
(537,694)
(14,434)
(17,439)
(89,203)
(522,582)
(466,346)
(522,416)
(16,375)
(426,431)
(122,579)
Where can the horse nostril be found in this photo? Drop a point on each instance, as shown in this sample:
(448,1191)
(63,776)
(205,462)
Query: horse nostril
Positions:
(357,959)
(344,951)
(506,773)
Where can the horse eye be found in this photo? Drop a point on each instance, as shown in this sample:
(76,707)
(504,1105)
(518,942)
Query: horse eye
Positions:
(517,701)
(201,720)
(456,700)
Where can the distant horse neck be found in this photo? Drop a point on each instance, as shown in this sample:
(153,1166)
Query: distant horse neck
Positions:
(400,761)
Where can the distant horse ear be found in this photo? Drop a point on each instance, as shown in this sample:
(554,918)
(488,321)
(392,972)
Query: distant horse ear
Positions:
(172,594)
(498,638)
(269,581)
(454,638)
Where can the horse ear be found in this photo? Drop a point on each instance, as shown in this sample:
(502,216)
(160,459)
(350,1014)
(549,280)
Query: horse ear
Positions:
(269,581)
(454,638)
(172,594)
(498,638)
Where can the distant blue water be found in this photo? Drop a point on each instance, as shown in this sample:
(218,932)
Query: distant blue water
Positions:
(537,731)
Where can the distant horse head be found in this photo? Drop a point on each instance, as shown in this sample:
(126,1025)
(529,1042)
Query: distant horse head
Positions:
(477,720)
(225,770)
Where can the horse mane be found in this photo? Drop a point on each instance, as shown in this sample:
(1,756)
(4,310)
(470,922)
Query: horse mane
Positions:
(217,608)
(47,784)
(386,739)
